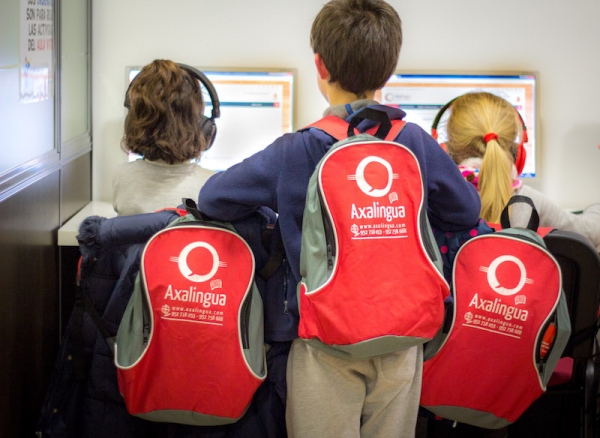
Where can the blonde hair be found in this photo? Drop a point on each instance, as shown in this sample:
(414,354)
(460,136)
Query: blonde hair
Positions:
(473,115)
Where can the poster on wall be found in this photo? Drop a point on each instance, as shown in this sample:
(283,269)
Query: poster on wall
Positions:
(36,51)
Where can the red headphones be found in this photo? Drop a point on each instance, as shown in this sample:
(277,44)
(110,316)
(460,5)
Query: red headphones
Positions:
(521,153)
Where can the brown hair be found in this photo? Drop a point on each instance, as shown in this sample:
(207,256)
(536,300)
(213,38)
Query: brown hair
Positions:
(473,115)
(165,106)
(359,42)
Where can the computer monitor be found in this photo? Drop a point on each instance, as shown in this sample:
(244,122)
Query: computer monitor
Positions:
(256,107)
(421,95)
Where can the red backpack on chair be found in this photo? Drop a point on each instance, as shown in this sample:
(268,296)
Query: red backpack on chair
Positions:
(509,327)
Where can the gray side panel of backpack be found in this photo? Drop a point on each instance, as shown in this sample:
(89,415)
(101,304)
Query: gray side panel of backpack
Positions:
(130,344)
(314,247)
(563,328)
(255,354)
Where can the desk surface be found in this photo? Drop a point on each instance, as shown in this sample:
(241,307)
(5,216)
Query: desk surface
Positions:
(67,234)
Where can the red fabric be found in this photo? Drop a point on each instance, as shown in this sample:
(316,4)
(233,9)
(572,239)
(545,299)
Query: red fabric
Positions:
(562,372)
(194,359)
(180,211)
(79,269)
(521,158)
(489,137)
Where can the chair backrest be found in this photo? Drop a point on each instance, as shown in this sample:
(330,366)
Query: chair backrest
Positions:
(580,267)
(576,383)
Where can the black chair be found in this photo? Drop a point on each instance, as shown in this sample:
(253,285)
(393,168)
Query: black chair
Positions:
(568,409)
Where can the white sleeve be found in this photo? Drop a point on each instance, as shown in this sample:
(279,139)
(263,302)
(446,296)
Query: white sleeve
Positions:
(553,215)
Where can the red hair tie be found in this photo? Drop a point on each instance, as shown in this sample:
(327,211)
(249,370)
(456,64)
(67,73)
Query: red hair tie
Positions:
(489,136)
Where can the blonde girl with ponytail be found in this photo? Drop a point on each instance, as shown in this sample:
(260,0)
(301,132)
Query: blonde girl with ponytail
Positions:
(483,131)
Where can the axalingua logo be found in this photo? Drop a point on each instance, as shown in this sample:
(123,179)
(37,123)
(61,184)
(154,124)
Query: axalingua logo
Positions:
(377,209)
(192,294)
(507,311)
(362,183)
(492,276)
(184,268)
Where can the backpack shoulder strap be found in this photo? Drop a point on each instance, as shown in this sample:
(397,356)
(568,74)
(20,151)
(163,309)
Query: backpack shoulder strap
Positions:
(338,128)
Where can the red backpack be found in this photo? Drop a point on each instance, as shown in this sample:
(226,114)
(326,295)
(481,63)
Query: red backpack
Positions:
(509,327)
(190,346)
(371,271)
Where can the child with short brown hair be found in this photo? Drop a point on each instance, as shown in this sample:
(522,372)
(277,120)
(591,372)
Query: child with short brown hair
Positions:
(165,107)
(356,46)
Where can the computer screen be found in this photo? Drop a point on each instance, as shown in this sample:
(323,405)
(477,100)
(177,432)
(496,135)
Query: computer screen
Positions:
(421,95)
(256,107)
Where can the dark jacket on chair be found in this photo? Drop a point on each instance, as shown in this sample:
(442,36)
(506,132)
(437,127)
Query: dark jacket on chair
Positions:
(83,398)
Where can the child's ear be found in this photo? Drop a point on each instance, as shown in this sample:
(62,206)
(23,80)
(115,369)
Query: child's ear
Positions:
(321,67)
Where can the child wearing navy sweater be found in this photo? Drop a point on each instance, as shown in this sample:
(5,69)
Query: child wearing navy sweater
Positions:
(356,45)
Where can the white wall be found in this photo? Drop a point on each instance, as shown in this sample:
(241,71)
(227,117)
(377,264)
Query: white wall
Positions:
(560,40)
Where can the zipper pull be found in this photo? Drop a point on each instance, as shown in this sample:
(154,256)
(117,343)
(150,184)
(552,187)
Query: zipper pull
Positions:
(548,340)
(146,333)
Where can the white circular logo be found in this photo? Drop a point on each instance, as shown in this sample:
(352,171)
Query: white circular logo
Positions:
(185,269)
(493,280)
(362,183)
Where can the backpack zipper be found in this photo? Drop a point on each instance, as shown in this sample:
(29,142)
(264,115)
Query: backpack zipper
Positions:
(146,333)
(245,321)
(286,273)
(329,235)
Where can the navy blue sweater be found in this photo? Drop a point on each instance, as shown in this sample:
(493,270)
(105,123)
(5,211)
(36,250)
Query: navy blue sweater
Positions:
(278,176)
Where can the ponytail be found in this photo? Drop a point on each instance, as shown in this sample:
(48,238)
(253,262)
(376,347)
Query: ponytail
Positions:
(483,125)
(495,181)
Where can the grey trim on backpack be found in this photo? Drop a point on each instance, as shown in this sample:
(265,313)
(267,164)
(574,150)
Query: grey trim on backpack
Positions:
(187,417)
(471,416)
(365,350)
